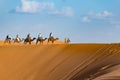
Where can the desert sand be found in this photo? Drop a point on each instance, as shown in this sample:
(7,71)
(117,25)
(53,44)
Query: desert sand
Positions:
(60,62)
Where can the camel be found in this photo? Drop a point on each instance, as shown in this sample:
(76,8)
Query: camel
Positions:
(41,40)
(17,40)
(29,40)
(52,39)
(7,40)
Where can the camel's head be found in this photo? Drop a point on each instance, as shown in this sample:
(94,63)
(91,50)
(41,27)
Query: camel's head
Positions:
(57,38)
(45,38)
(34,38)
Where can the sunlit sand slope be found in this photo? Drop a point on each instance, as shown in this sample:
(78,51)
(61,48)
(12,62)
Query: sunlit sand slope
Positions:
(1,43)
(60,62)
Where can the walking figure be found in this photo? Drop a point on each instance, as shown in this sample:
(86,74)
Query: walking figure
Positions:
(65,40)
(68,40)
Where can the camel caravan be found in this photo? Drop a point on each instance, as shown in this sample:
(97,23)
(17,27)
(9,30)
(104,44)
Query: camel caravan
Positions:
(29,39)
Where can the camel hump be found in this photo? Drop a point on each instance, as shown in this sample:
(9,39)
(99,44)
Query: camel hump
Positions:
(51,37)
(40,38)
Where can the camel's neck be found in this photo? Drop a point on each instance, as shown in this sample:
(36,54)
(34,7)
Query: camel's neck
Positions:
(33,39)
(55,39)
(44,39)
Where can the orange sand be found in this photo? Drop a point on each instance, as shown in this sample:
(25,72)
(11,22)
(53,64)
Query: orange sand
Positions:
(1,42)
(60,62)
(33,43)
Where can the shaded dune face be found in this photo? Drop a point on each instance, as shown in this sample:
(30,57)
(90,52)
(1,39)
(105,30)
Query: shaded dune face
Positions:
(60,62)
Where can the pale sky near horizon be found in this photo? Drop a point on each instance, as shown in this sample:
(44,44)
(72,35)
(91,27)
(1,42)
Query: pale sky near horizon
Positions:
(83,21)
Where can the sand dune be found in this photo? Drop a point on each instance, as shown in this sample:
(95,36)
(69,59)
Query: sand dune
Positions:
(1,42)
(60,62)
(33,43)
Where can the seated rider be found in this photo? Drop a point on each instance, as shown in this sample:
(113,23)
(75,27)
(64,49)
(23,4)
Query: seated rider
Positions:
(50,35)
(17,37)
(28,36)
(39,35)
(7,37)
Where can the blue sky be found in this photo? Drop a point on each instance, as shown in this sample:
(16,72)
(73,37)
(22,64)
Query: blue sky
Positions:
(83,21)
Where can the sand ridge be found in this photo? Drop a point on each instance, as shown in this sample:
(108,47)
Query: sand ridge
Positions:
(33,43)
(59,62)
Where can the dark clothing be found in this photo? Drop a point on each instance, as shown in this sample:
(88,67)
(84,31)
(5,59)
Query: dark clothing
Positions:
(50,34)
(7,37)
(28,35)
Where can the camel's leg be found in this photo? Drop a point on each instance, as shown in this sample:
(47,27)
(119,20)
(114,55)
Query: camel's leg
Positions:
(40,42)
(52,42)
(30,42)
(18,41)
(9,42)
(24,42)
(48,41)
(14,41)
(36,42)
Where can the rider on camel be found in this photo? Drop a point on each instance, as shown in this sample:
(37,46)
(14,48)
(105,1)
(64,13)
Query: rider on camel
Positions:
(50,35)
(17,37)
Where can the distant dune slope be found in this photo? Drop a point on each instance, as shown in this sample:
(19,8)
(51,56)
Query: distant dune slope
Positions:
(60,62)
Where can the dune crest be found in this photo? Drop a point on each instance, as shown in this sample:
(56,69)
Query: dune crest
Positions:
(33,43)
(60,62)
